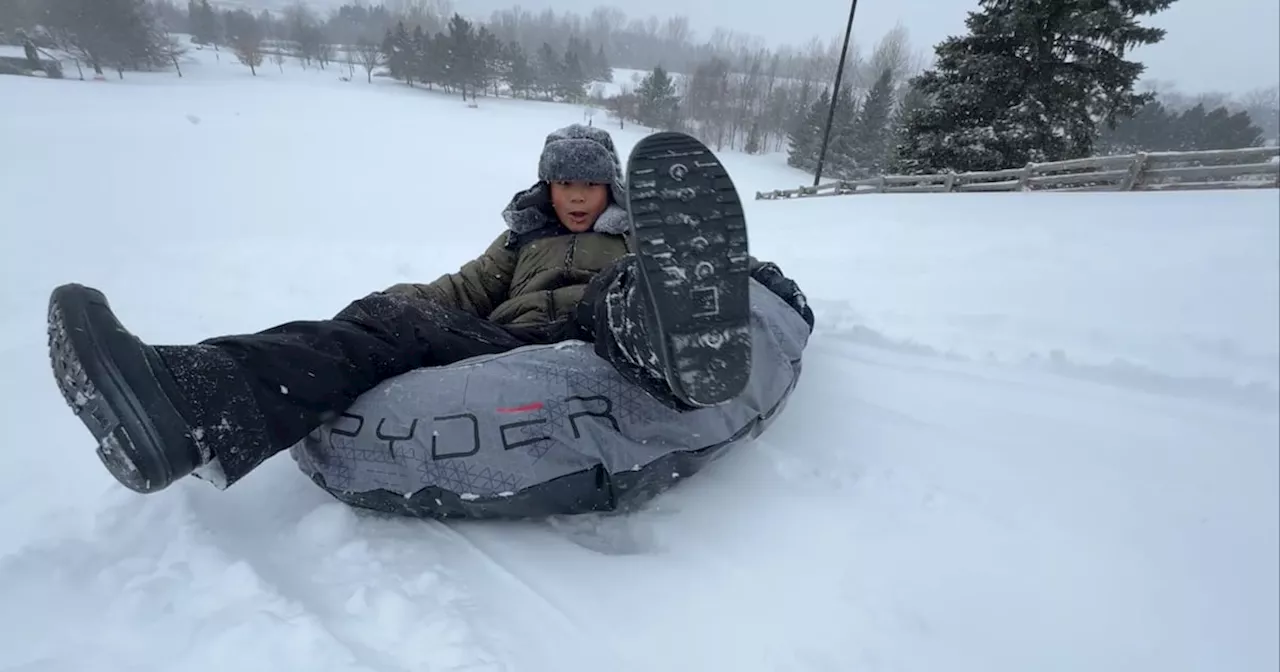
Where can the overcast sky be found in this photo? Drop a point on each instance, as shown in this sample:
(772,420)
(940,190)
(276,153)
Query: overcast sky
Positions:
(1212,45)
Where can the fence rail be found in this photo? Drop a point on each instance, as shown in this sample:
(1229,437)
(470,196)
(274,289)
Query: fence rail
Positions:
(1246,168)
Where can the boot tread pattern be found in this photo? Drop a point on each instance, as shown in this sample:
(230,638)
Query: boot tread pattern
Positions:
(690,237)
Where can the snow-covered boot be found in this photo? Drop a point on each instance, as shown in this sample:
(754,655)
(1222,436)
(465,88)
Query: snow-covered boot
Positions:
(158,413)
(615,315)
(693,270)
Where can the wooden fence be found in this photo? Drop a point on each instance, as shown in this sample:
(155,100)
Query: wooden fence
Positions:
(1248,168)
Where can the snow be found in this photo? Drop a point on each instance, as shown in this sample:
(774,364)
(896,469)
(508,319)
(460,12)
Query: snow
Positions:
(626,80)
(1035,431)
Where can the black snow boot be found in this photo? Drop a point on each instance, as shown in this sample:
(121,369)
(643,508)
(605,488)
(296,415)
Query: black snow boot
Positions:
(158,413)
(615,316)
(693,270)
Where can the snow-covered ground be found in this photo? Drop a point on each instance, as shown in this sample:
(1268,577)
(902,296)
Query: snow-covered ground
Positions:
(1035,432)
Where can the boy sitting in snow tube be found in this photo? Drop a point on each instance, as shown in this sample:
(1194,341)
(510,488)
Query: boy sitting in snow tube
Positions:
(655,276)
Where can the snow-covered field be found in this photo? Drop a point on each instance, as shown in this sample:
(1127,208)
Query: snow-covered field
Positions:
(1035,432)
(625,80)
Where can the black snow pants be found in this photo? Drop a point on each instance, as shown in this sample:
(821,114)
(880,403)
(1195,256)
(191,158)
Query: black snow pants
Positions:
(255,395)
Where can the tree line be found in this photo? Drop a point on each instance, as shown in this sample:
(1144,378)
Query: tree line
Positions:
(118,35)
(1155,127)
(1029,82)
(763,101)
(470,58)
(738,92)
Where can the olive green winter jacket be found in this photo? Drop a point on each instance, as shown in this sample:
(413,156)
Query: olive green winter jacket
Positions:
(533,275)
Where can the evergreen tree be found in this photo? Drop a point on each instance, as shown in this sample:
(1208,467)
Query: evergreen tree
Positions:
(239,24)
(519,74)
(1187,128)
(657,102)
(398,53)
(1236,131)
(795,110)
(461,68)
(546,71)
(166,12)
(502,65)
(1154,129)
(574,45)
(913,101)
(435,61)
(841,159)
(1196,129)
(871,132)
(420,45)
(573,82)
(266,25)
(1028,83)
(1150,129)
(806,137)
(595,66)
(193,20)
(603,72)
(487,66)
(203,22)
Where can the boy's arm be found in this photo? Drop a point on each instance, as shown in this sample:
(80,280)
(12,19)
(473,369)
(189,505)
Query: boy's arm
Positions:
(477,288)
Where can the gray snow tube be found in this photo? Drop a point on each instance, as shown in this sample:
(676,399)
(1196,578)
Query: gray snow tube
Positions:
(541,430)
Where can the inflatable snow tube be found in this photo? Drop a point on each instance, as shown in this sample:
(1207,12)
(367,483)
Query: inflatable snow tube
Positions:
(540,431)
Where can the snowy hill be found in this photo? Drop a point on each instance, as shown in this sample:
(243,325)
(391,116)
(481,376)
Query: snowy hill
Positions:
(1034,432)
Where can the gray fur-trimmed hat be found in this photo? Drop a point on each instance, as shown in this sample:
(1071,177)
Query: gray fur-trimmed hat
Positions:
(575,152)
(578,152)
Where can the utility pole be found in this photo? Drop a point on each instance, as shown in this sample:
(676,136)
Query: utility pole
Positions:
(835,94)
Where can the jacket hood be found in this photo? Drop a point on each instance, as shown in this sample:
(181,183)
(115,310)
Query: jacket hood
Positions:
(530,210)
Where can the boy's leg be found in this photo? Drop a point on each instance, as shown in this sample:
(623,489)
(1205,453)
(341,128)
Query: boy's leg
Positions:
(160,412)
(673,318)
(692,270)
(613,314)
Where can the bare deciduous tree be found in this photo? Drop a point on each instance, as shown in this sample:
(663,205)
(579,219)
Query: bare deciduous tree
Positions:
(119,34)
(351,56)
(172,47)
(324,51)
(1263,106)
(303,28)
(893,53)
(64,40)
(370,56)
(676,30)
(248,48)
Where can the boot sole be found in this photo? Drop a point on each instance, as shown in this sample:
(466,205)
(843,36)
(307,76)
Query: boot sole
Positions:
(90,375)
(690,238)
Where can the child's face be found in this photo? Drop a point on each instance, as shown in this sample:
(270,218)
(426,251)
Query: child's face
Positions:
(578,204)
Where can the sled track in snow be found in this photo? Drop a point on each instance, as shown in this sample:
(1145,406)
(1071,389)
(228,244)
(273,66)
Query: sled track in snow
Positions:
(371,583)
(575,633)
(1033,371)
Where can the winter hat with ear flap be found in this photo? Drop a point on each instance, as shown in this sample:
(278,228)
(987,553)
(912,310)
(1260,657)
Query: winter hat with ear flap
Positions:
(578,152)
(574,152)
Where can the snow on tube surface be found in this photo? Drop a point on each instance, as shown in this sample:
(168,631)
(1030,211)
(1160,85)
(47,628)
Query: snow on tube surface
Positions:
(541,430)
